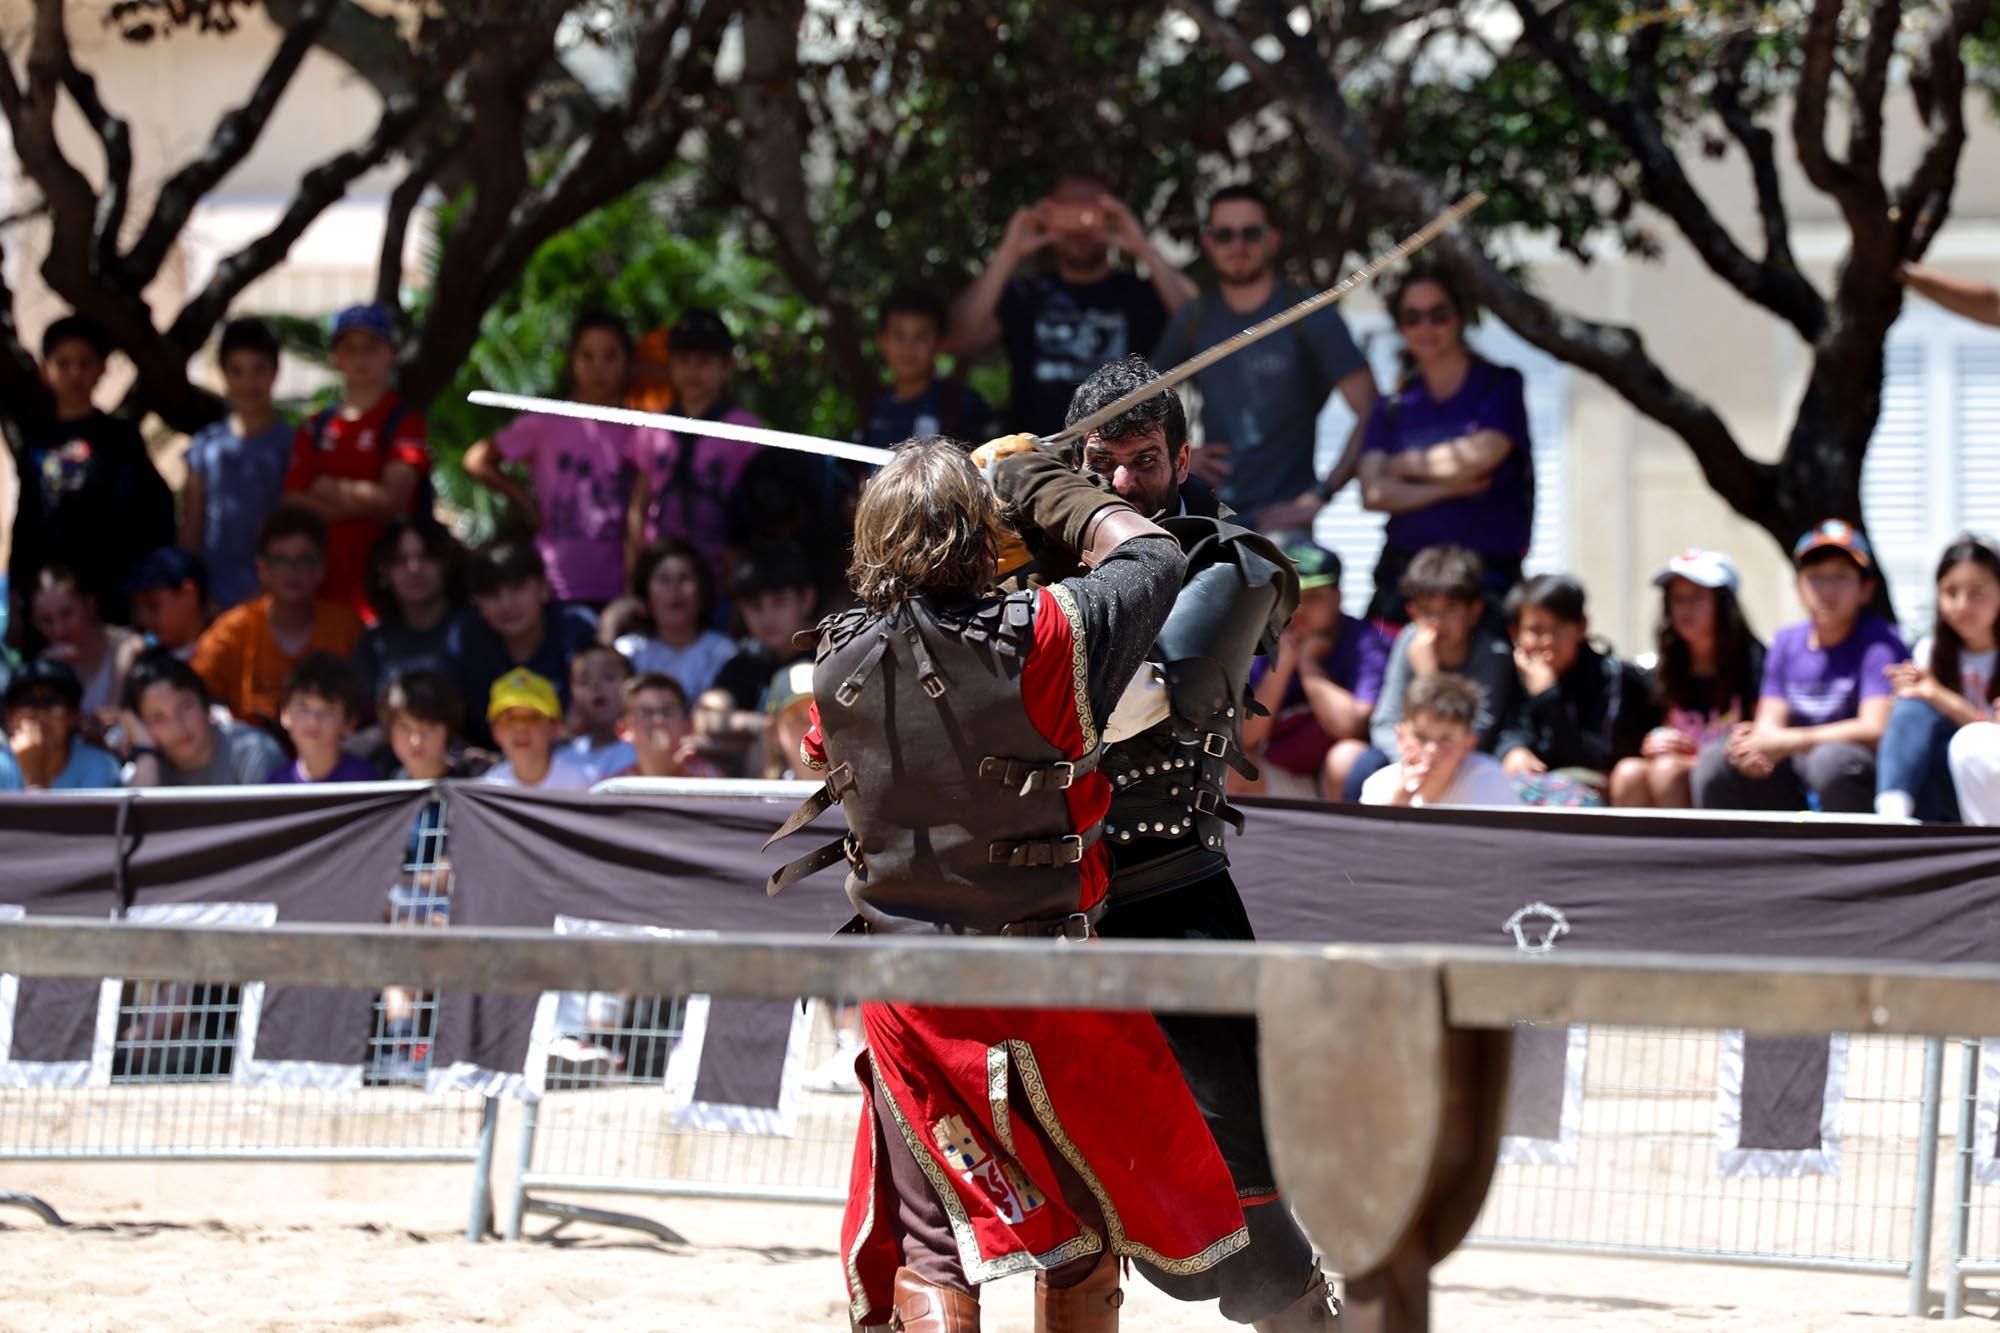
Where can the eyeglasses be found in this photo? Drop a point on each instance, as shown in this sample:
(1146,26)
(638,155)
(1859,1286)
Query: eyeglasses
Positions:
(1439,315)
(1250,235)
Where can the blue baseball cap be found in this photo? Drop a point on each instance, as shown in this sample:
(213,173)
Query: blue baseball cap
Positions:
(360,319)
(168,567)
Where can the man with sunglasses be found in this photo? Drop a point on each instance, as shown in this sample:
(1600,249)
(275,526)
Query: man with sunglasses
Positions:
(1260,408)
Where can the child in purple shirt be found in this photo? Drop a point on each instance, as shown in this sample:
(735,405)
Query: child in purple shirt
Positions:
(1826,697)
(1320,690)
(318,709)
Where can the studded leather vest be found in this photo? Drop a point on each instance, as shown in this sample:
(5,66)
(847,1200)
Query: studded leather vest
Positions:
(955,803)
(1168,806)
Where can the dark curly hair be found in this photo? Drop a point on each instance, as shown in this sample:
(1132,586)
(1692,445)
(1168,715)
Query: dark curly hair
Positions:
(1110,382)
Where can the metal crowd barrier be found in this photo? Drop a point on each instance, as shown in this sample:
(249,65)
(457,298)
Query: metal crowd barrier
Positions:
(1371,1110)
(159,1085)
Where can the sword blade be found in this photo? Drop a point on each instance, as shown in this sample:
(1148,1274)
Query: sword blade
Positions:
(722,430)
(1200,361)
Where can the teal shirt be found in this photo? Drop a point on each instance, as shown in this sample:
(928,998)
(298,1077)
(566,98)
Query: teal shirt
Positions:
(88,766)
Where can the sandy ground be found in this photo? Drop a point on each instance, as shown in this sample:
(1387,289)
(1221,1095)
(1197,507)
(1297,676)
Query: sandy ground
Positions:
(284,1247)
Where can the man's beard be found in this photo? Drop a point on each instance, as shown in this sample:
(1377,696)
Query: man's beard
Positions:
(1257,274)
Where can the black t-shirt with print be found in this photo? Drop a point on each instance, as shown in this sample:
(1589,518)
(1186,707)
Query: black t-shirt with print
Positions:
(91,499)
(1057,333)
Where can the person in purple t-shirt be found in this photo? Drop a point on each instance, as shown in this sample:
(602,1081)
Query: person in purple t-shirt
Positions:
(1826,697)
(1320,692)
(1447,455)
(320,704)
(581,471)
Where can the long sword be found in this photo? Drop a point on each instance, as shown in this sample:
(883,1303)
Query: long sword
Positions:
(721,430)
(1201,360)
(862,453)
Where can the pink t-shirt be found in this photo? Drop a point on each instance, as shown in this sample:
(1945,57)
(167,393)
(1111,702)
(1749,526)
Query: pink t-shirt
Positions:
(582,472)
(689,483)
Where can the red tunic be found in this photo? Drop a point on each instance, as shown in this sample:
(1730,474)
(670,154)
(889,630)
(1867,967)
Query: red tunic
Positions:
(1102,1089)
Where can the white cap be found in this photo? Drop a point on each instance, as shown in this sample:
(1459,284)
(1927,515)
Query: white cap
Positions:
(1709,569)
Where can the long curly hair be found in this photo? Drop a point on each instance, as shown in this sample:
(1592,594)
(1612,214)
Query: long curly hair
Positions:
(927,525)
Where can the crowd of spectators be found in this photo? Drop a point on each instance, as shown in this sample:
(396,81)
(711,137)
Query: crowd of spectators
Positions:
(299,613)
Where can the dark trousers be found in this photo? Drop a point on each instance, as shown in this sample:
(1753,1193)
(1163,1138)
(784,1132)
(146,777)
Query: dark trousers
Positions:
(1218,1058)
(1839,775)
(1914,758)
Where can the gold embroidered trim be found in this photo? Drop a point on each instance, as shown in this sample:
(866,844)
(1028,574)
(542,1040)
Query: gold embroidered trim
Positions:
(978,1270)
(816,765)
(857,1299)
(1045,1111)
(996,1098)
(1078,664)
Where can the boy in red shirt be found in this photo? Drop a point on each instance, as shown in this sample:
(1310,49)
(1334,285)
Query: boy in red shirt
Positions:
(362,463)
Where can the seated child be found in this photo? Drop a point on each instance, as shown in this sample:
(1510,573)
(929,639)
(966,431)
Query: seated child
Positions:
(525,716)
(319,706)
(1438,760)
(596,677)
(1579,709)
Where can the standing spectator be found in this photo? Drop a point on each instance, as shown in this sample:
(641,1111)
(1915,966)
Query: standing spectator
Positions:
(318,709)
(596,677)
(1710,670)
(1320,692)
(1948,683)
(1260,412)
(512,624)
(679,595)
(65,617)
(1450,629)
(416,583)
(248,652)
(1057,327)
(236,466)
(917,403)
(169,738)
(41,750)
(1826,698)
(364,462)
(655,720)
(1438,762)
(525,715)
(1962,296)
(581,471)
(169,590)
(90,497)
(1579,709)
(1447,455)
(684,486)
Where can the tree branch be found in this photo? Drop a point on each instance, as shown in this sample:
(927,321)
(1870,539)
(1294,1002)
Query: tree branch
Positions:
(1828,175)
(1864,133)
(403,201)
(369,44)
(1760,148)
(236,133)
(1614,354)
(116,137)
(1924,200)
(20,378)
(318,191)
(1778,287)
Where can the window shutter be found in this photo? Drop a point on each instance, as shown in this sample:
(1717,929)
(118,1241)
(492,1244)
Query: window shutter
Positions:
(1896,482)
(1978,438)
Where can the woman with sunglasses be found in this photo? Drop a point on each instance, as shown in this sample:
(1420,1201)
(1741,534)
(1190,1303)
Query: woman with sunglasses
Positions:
(1447,455)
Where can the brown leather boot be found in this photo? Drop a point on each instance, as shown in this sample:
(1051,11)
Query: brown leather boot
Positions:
(1091,1306)
(924,1308)
(1317,1311)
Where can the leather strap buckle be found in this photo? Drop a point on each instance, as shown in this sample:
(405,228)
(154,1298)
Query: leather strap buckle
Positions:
(849,691)
(1215,744)
(933,686)
(1075,928)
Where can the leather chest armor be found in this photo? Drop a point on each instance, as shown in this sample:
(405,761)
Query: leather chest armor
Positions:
(957,806)
(1168,805)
